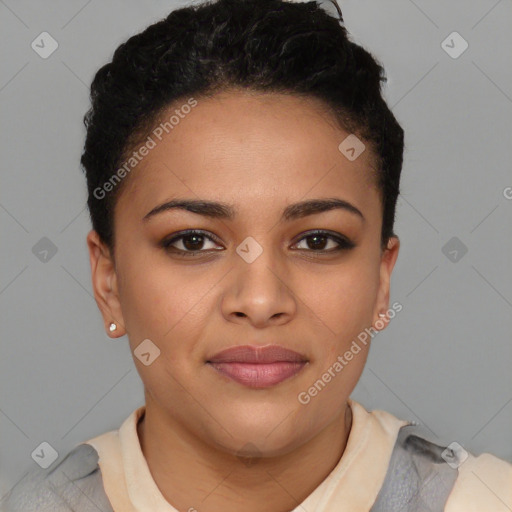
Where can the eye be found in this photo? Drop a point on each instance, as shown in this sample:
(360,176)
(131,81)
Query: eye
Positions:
(320,242)
(192,242)
(188,243)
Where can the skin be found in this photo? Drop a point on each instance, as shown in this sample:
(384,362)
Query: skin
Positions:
(259,153)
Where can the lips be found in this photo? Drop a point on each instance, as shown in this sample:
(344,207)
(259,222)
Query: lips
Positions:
(258,367)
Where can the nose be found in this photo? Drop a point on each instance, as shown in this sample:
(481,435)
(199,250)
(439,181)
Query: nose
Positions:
(260,293)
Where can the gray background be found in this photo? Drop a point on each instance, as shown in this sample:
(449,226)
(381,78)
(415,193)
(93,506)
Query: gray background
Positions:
(443,361)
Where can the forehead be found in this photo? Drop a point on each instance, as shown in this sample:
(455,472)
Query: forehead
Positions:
(245,148)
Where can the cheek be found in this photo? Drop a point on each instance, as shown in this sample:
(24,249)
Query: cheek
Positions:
(162,303)
(342,303)
(164,307)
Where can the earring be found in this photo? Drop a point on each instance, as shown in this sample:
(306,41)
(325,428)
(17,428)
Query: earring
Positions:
(382,315)
(112,327)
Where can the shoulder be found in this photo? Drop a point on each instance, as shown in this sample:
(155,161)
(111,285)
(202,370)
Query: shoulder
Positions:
(484,483)
(75,484)
(423,475)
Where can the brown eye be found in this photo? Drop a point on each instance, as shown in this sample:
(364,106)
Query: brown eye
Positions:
(324,241)
(192,242)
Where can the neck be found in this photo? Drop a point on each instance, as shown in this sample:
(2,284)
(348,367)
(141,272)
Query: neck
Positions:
(192,475)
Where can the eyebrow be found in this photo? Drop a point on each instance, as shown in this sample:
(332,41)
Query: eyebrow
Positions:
(218,210)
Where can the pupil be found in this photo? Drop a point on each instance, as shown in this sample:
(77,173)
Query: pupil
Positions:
(315,244)
(197,245)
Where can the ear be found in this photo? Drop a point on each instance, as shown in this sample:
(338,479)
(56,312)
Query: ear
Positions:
(388,260)
(105,286)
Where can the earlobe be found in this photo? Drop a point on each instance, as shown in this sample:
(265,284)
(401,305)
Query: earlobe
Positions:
(104,282)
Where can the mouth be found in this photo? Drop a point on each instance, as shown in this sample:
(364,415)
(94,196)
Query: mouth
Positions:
(258,367)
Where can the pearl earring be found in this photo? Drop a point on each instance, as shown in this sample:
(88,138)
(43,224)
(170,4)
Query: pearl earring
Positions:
(112,327)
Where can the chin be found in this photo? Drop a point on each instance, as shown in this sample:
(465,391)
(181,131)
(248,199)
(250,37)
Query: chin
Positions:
(266,435)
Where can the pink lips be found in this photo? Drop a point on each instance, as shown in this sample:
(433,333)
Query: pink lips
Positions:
(258,367)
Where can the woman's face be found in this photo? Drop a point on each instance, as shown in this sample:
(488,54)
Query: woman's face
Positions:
(260,278)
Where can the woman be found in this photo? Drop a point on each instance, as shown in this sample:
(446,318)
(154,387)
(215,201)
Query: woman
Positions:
(243,171)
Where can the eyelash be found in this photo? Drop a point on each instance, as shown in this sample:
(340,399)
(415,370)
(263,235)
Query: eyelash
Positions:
(344,243)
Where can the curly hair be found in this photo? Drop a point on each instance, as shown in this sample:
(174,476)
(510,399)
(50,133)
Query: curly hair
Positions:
(262,45)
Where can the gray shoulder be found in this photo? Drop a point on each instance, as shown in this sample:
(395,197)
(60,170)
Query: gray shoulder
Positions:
(420,476)
(73,485)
